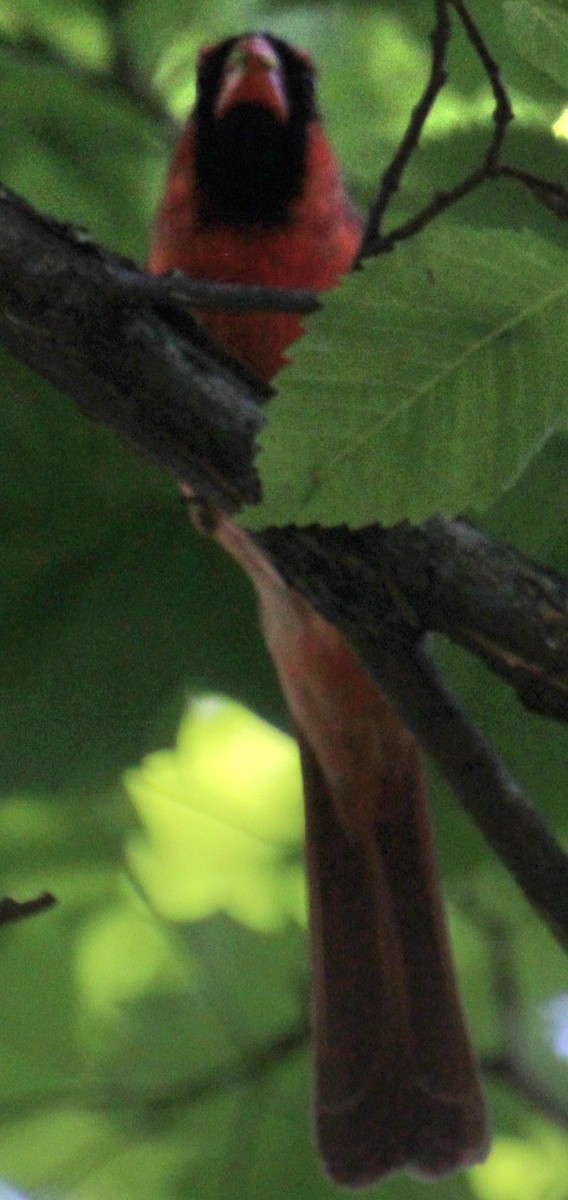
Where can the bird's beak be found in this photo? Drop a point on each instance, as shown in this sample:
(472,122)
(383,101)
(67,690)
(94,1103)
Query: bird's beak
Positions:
(253,74)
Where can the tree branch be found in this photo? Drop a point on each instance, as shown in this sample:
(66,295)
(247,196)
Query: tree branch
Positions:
(178,397)
(185,294)
(122,344)
(18,910)
(151,373)
(493,799)
(448,577)
(373,239)
(550,193)
(378,613)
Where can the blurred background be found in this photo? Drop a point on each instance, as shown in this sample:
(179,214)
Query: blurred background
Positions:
(153,1027)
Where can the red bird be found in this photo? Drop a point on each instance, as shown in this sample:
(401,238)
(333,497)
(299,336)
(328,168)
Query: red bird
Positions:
(255,195)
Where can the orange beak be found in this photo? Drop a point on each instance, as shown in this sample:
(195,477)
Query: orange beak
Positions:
(253,75)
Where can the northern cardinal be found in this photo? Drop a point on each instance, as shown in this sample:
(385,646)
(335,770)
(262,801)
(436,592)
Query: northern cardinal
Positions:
(254,195)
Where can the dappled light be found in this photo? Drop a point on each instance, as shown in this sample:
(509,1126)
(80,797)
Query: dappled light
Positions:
(535,1167)
(222,821)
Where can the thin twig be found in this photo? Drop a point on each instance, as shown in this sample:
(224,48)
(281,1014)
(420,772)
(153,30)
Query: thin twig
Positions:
(503,113)
(547,191)
(440,203)
(18,910)
(392,177)
(176,289)
(375,242)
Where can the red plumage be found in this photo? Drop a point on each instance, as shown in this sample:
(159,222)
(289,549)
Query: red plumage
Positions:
(312,250)
(254,195)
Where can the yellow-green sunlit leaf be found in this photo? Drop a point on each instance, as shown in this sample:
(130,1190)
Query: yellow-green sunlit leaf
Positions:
(533,1168)
(222,818)
(123,953)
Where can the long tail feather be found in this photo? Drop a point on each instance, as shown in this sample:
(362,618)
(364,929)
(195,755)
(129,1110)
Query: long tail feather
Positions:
(395,1080)
(396,1084)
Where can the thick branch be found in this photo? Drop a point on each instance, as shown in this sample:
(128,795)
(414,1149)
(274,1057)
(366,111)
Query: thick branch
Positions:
(145,368)
(445,576)
(386,632)
(156,378)
(493,799)
(19,910)
(134,359)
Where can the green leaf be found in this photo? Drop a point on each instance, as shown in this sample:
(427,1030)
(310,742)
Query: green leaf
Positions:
(52,152)
(222,813)
(106,600)
(539,33)
(427,384)
(500,203)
